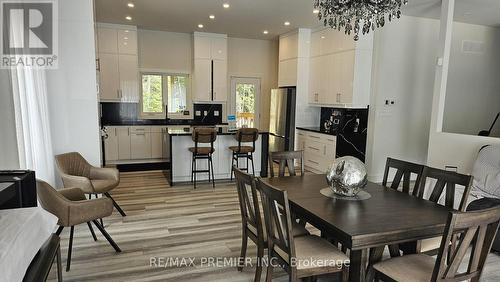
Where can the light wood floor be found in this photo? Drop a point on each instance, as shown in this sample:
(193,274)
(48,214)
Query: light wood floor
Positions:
(164,221)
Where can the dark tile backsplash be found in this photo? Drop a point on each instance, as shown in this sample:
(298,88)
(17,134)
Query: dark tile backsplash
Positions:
(128,114)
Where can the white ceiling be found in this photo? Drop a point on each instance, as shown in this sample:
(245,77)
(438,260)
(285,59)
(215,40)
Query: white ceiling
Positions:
(249,18)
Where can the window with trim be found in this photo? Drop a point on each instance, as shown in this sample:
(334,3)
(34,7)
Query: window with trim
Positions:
(163,92)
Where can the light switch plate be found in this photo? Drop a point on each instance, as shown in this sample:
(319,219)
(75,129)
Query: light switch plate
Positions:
(197,113)
(205,113)
(216,113)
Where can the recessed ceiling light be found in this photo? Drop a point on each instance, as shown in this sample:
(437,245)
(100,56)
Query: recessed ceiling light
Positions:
(322,37)
(131,5)
(128,18)
(316,11)
(225,5)
(265,32)
(200,26)
(212,17)
(287,23)
(126,38)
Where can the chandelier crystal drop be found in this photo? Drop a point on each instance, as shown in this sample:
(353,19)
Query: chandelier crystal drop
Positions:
(355,16)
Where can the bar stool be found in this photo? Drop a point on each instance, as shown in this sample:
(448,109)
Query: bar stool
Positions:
(244,135)
(203,136)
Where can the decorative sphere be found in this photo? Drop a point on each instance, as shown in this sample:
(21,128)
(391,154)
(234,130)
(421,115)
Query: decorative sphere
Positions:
(346,176)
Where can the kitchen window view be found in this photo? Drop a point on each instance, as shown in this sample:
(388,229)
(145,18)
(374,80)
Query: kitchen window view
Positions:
(158,87)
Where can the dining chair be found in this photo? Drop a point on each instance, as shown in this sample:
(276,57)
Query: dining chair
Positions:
(252,221)
(286,160)
(72,208)
(468,232)
(404,171)
(304,256)
(444,189)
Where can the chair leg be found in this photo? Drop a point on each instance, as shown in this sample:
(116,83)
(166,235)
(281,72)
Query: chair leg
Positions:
(118,208)
(208,166)
(270,267)
(192,168)
(194,171)
(102,224)
(212,169)
(70,247)
(260,256)
(243,253)
(253,167)
(59,230)
(106,235)
(232,165)
(91,231)
(345,274)
(58,262)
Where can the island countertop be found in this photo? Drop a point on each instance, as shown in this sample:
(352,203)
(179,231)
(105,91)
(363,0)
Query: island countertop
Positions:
(187,131)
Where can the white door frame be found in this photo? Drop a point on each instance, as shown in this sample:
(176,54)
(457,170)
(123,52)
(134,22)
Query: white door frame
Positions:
(232,96)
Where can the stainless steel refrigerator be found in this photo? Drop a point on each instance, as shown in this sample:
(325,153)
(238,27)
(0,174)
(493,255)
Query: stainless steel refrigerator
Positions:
(282,120)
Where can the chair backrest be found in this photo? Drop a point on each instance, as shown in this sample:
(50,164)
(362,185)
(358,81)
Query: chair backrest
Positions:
(286,160)
(73,164)
(476,229)
(449,180)
(246,135)
(52,201)
(404,170)
(249,201)
(204,134)
(278,220)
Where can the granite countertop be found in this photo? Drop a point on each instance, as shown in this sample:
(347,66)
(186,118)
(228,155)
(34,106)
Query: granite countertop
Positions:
(157,122)
(315,129)
(187,131)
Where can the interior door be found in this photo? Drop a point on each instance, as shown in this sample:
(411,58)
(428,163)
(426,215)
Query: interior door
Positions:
(245,94)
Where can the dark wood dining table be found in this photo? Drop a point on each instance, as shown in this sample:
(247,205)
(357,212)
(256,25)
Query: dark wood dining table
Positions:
(364,226)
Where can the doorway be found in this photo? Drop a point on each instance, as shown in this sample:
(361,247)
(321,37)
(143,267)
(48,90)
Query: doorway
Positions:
(245,94)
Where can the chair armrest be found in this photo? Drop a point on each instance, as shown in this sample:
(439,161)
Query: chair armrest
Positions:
(78,181)
(88,210)
(73,194)
(104,173)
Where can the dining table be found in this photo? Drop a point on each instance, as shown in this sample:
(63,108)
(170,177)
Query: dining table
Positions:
(366,226)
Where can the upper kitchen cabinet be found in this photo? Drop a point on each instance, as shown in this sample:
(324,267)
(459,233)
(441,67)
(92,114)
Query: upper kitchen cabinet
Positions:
(340,69)
(210,67)
(118,63)
(288,60)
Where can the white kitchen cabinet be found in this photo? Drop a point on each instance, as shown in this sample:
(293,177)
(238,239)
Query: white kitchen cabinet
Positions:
(127,41)
(140,142)
(111,144)
(157,142)
(288,47)
(287,73)
(219,80)
(318,80)
(129,78)
(202,90)
(319,150)
(210,67)
(123,143)
(345,91)
(166,144)
(109,82)
(107,40)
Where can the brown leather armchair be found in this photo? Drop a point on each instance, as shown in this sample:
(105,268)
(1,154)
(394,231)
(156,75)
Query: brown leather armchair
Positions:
(75,171)
(72,208)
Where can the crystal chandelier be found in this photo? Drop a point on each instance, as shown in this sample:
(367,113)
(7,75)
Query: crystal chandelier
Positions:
(357,15)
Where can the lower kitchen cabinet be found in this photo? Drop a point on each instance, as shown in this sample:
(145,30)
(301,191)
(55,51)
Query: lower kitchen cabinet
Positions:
(140,143)
(111,144)
(319,150)
(156,143)
(123,143)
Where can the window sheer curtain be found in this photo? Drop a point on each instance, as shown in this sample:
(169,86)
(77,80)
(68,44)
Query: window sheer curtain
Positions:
(32,122)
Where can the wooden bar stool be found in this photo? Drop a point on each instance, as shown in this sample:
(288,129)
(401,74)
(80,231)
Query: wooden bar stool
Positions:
(203,136)
(244,135)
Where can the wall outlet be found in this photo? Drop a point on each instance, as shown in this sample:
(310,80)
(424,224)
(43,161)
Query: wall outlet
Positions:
(205,113)
(197,113)
(451,168)
(216,113)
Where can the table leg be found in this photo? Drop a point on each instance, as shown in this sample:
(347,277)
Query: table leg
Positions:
(357,266)
(375,256)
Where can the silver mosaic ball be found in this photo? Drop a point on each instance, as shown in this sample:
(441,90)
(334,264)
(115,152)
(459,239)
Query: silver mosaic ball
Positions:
(347,176)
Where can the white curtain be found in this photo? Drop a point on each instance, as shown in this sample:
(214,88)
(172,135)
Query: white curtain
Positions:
(32,122)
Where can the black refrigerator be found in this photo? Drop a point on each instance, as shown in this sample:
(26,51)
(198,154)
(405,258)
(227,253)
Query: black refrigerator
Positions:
(282,120)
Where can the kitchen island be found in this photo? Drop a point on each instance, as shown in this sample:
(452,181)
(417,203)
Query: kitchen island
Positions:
(180,158)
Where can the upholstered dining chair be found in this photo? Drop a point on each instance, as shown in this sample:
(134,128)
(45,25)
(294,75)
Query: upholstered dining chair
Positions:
(444,190)
(252,219)
(475,229)
(75,171)
(72,208)
(286,160)
(304,256)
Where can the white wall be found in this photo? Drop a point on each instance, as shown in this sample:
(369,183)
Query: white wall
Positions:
(473,90)
(403,70)
(173,52)
(9,158)
(259,59)
(72,94)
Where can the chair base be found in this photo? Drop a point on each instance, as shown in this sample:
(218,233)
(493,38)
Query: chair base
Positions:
(195,171)
(235,159)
